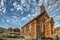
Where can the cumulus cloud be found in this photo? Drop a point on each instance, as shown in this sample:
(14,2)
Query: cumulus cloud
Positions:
(22,12)
(7,20)
(29,15)
(23,1)
(15,3)
(40,2)
(24,18)
(2,7)
(2,2)
(14,17)
(18,7)
(12,22)
(30,7)
(2,20)
(53,6)
(11,9)
(57,18)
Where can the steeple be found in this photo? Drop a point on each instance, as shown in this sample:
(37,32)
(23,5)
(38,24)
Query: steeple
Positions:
(42,7)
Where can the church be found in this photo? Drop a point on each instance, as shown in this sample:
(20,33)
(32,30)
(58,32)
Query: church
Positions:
(39,27)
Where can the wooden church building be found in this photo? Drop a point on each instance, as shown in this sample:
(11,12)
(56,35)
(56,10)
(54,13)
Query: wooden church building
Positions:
(41,26)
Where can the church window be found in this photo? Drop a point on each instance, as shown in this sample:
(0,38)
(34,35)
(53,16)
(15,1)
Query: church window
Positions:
(30,27)
(41,26)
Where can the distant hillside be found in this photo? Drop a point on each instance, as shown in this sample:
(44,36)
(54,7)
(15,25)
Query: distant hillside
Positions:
(2,29)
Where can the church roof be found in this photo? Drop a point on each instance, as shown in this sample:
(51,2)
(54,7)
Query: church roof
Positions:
(42,13)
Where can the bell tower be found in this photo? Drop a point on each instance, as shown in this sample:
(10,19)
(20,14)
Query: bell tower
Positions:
(42,7)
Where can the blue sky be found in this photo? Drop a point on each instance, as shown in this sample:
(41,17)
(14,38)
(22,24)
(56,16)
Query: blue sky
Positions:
(16,13)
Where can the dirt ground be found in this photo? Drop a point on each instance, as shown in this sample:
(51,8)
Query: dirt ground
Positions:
(11,39)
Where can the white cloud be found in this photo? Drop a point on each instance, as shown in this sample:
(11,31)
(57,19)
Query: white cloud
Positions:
(17,6)
(29,15)
(16,20)
(11,9)
(2,20)
(4,10)
(22,12)
(24,18)
(57,17)
(15,3)
(54,15)
(36,14)
(37,10)
(8,20)
(14,17)
(23,1)
(40,2)
(2,7)
(53,7)
(2,2)
(27,7)
(54,12)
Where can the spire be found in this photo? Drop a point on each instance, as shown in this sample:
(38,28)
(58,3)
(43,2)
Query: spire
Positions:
(42,7)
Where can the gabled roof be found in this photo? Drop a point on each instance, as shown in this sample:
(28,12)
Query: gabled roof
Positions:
(42,13)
